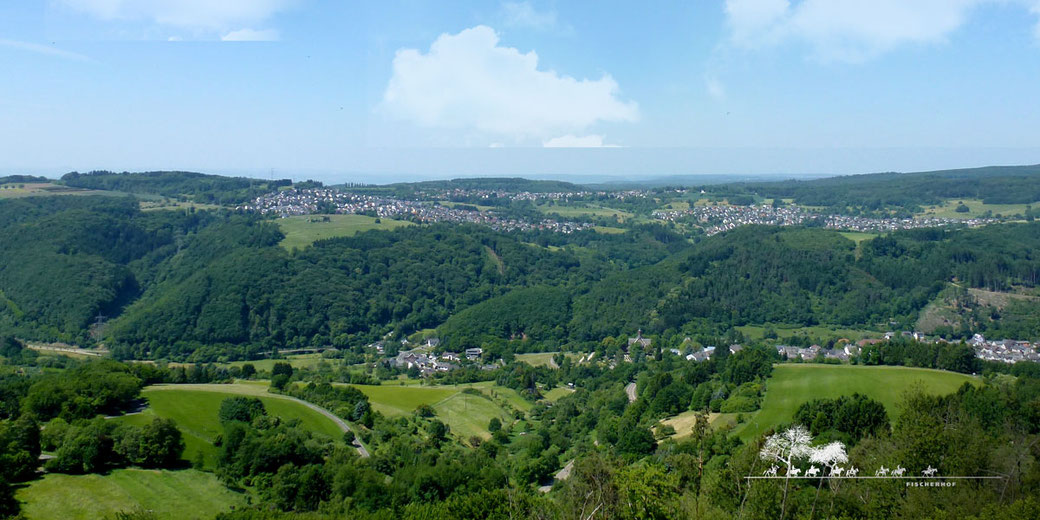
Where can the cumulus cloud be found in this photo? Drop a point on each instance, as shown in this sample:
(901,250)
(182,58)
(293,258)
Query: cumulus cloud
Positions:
(850,30)
(468,81)
(574,141)
(251,35)
(522,14)
(214,15)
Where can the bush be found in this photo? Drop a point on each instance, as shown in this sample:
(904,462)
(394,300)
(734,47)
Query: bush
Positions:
(243,409)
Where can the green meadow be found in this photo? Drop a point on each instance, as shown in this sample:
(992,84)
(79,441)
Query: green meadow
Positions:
(466,414)
(301,232)
(976,208)
(793,384)
(195,408)
(584,210)
(185,494)
(756,332)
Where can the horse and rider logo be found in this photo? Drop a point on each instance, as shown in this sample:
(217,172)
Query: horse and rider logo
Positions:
(785,450)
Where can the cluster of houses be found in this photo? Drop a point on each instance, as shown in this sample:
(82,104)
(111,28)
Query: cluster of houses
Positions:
(878,225)
(427,362)
(488,194)
(719,218)
(288,203)
(1004,350)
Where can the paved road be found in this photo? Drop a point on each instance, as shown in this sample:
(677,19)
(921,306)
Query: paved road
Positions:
(552,362)
(631,391)
(339,422)
(563,474)
(68,350)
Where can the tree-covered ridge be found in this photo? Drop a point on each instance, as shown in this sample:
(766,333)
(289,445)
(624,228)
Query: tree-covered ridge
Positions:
(20,179)
(199,187)
(340,292)
(993,185)
(64,260)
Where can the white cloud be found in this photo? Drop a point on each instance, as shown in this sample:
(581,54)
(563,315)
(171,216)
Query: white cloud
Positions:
(42,49)
(715,87)
(522,14)
(216,15)
(573,141)
(251,35)
(467,81)
(851,30)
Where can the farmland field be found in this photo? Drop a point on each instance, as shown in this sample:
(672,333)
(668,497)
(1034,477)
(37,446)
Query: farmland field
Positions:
(392,400)
(976,207)
(300,232)
(466,414)
(187,494)
(794,384)
(577,211)
(756,332)
(195,408)
(858,236)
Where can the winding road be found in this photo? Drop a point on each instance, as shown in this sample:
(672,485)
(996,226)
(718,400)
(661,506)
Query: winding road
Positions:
(246,390)
(631,391)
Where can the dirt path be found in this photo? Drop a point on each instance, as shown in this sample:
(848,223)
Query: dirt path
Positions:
(631,391)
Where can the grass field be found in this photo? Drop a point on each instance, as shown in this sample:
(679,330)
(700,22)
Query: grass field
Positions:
(296,360)
(158,205)
(393,400)
(818,331)
(584,210)
(683,423)
(858,236)
(557,393)
(466,414)
(195,408)
(794,384)
(35,189)
(300,232)
(186,494)
(977,207)
(607,230)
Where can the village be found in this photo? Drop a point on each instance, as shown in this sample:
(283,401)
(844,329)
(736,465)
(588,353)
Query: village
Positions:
(719,218)
(422,357)
(326,200)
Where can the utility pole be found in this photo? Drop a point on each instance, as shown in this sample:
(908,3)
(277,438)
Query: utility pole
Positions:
(99,325)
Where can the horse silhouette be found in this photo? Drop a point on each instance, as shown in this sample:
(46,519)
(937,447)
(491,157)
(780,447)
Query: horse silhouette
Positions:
(771,472)
(881,472)
(899,471)
(929,472)
(812,472)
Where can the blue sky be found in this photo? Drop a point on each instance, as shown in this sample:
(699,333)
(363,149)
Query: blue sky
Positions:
(392,90)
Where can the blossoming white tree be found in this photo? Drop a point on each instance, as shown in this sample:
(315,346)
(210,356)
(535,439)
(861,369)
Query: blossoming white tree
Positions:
(788,446)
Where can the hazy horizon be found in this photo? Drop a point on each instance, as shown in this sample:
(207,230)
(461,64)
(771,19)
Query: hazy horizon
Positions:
(400,90)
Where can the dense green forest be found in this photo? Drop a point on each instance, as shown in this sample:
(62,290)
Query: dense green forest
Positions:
(993,185)
(199,187)
(206,284)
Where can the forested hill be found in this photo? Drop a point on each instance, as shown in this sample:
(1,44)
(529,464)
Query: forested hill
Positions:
(19,179)
(993,185)
(199,187)
(207,284)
